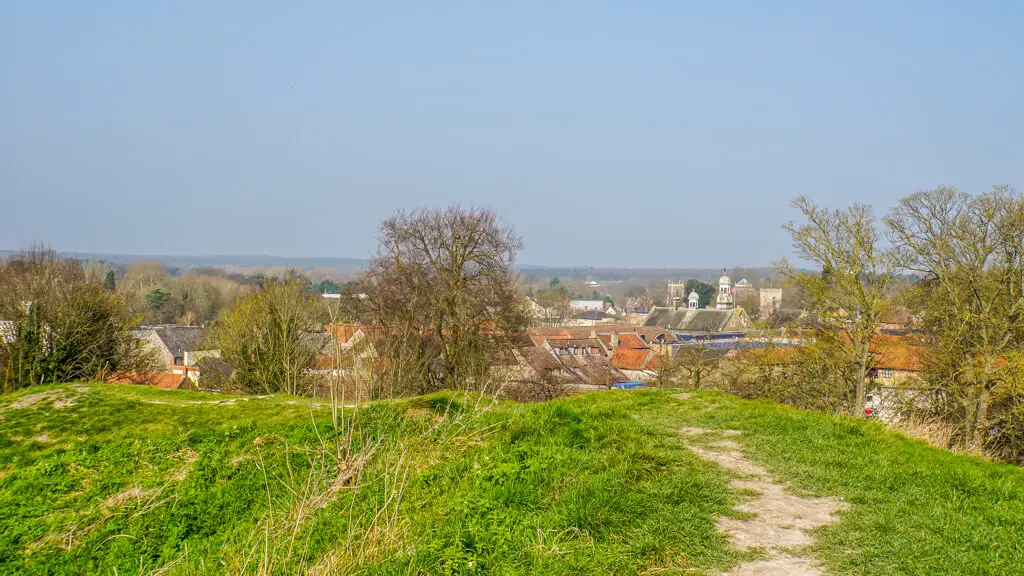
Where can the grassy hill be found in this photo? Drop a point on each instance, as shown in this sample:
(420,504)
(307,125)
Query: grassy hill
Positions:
(100,479)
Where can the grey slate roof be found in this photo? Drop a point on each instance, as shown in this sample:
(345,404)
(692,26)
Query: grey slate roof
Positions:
(703,320)
(709,320)
(181,339)
(211,365)
(592,315)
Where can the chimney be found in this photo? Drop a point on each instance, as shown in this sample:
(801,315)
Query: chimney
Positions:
(615,339)
(593,333)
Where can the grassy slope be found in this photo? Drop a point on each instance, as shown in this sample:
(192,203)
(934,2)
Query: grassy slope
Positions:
(136,479)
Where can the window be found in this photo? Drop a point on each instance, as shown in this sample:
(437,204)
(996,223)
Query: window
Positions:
(885,373)
(178,360)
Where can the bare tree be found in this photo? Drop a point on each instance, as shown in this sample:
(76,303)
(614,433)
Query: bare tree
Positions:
(970,251)
(668,370)
(850,295)
(697,361)
(555,303)
(445,274)
(272,337)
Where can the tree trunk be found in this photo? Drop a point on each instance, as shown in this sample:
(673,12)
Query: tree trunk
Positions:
(980,430)
(863,359)
(981,421)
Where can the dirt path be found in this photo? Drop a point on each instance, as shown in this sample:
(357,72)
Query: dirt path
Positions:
(781,520)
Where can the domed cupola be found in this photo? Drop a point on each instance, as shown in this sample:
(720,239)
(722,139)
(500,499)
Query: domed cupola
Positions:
(724,301)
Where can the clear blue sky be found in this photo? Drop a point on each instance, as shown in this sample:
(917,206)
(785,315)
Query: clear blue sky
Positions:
(608,133)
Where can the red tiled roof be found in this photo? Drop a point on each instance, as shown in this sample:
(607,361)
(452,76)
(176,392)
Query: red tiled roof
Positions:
(892,352)
(630,358)
(654,362)
(158,379)
(626,340)
(578,331)
(898,356)
(343,332)
(630,340)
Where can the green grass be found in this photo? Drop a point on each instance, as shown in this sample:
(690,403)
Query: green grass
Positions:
(133,480)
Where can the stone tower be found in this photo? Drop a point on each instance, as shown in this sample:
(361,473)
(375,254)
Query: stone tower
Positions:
(724,301)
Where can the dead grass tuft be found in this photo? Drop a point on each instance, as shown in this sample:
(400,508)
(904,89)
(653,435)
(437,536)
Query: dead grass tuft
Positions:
(931,431)
(115,503)
(188,457)
(86,524)
(265,440)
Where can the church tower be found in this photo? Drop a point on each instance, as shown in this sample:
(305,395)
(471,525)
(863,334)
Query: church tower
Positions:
(724,301)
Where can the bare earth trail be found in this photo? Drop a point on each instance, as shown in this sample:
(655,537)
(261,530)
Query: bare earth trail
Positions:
(779,521)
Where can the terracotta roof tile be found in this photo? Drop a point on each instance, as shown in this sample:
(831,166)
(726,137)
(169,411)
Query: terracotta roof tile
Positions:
(898,356)
(630,340)
(343,332)
(158,379)
(630,358)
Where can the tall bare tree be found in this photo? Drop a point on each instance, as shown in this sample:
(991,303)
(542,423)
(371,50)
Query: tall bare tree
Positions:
(445,274)
(697,360)
(555,303)
(970,251)
(272,338)
(850,295)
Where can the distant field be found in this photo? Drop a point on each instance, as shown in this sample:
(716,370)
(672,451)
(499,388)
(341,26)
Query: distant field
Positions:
(100,479)
(244,263)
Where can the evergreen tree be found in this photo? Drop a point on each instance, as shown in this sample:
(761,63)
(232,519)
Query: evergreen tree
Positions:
(704,290)
(157,298)
(110,283)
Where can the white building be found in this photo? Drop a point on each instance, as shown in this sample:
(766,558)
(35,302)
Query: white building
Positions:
(744,289)
(770,300)
(586,304)
(725,300)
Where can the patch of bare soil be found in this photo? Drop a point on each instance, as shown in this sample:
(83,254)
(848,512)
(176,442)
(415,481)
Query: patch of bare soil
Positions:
(783,566)
(684,395)
(29,400)
(780,521)
(59,398)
